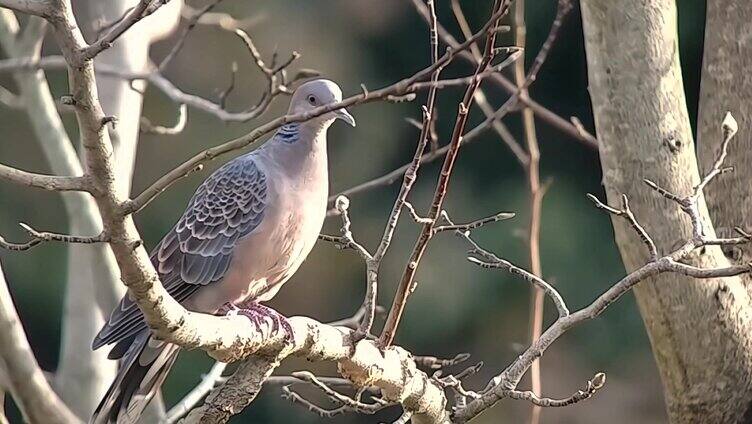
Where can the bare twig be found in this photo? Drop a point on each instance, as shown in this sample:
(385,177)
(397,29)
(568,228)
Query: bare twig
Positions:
(149,128)
(534,279)
(143,9)
(39,237)
(189,401)
(535,196)
(591,388)
(730,128)
(289,394)
(507,381)
(434,363)
(354,404)
(626,213)
(551,118)
(191,24)
(406,282)
(501,216)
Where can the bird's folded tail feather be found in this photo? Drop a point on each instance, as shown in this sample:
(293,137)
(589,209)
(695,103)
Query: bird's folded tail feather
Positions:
(142,371)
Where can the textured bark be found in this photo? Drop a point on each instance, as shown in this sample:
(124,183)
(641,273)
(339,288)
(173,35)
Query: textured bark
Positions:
(391,370)
(700,331)
(727,86)
(83,375)
(93,277)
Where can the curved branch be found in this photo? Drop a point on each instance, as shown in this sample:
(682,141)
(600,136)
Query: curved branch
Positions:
(393,371)
(26,381)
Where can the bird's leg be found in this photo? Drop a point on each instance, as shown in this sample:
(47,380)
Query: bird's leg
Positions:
(257,313)
(228,308)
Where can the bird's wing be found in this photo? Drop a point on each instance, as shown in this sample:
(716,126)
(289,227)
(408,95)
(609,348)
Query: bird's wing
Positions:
(198,250)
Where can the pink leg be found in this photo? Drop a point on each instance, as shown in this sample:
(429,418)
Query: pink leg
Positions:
(256,313)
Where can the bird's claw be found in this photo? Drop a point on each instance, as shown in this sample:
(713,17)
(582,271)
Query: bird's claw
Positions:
(257,314)
(228,309)
(358,335)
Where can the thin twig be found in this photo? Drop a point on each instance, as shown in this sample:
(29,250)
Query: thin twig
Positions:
(593,385)
(143,9)
(354,404)
(149,128)
(46,182)
(501,385)
(626,213)
(729,128)
(434,363)
(546,115)
(501,216)
(405,287)
(40,237)
(192,22)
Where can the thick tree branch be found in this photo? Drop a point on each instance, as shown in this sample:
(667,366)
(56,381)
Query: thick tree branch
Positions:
(92,276)
(32,7)
(46,182)
(400,381)
(393,370)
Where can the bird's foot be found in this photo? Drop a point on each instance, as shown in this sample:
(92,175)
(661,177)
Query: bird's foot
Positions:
(358,335)
(228,309)
(258,314)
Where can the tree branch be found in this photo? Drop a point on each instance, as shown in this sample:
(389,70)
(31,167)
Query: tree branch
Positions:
(28,385)
(46,182)
(143,9)
(592,387)
(505,383)
(32,7)
(39,237)
(574,131)
(405,287)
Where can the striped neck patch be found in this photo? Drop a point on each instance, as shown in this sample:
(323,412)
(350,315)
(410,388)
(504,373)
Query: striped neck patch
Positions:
(289,133)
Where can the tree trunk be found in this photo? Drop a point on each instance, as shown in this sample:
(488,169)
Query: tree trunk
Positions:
(700,331)
(727,86)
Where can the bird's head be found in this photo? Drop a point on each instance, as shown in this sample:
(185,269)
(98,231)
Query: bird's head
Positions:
(316,93)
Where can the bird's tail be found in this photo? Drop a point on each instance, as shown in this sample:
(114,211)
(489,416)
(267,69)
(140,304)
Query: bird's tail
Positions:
(142,371)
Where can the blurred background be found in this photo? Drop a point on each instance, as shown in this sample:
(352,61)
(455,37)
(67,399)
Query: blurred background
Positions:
(458,307)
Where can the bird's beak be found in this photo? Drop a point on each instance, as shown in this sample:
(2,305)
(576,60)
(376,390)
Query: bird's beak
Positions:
(344,115)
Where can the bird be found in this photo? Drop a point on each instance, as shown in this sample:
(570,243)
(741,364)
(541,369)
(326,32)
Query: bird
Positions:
(246,230)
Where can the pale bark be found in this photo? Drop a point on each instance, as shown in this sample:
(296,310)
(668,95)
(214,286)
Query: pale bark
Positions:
(93,277)
(31,391)
(83,374)
(700,331)
(392,370)
(727,86)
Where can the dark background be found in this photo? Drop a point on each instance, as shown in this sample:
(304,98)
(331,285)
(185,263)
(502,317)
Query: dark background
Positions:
(458,307)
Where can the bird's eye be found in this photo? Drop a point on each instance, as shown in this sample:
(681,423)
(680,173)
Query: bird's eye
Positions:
(312,99)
